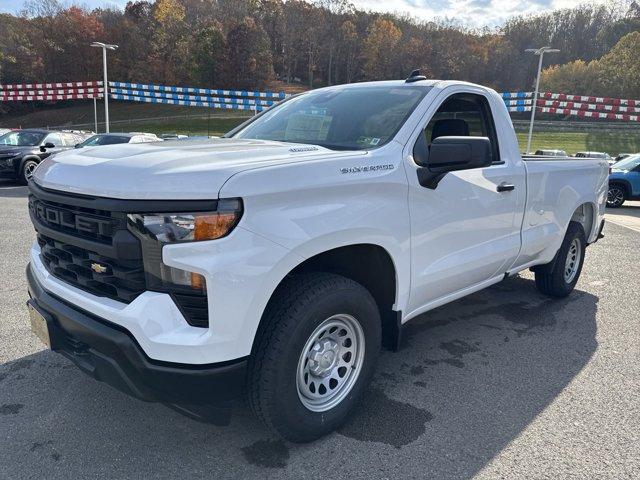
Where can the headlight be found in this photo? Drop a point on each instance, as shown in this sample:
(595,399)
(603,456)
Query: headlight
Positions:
(158,229)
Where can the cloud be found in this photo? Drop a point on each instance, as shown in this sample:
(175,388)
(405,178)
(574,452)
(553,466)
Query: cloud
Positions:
(473,13)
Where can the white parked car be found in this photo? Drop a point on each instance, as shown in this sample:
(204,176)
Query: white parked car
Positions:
(278,260)
(101,139)
(550,153)
(602,155)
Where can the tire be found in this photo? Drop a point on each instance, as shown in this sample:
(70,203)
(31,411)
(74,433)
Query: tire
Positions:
(26,170)
(616,195)
(559,277)
(288,402)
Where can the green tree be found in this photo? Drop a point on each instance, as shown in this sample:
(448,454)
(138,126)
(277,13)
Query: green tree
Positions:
(348,50)
(379,50)
(210,54)
(577,77)
(171,40)
(249,63)
(616,74)
(619,70)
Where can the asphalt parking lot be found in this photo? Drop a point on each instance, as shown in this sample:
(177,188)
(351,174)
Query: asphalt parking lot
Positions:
(505,383)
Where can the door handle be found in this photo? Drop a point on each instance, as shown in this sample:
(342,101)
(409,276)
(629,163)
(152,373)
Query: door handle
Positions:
(505,187)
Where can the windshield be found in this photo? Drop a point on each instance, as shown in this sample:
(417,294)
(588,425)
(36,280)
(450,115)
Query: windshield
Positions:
(104,140)
(22,138)
(628,163)
(348,118)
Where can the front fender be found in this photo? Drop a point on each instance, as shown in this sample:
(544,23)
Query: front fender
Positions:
(315,206)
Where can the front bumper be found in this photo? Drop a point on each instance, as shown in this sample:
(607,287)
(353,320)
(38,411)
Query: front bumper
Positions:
(7,172)
(110,354)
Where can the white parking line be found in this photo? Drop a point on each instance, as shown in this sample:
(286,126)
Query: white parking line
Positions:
(627,216)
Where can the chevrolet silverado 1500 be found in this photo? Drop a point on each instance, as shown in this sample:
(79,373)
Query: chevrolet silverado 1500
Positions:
(274,263)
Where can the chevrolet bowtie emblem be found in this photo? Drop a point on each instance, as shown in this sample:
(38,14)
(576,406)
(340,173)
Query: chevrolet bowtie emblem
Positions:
(96,267)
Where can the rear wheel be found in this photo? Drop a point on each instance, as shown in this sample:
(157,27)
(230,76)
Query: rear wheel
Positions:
(615,195)
(315,355)
(559,277)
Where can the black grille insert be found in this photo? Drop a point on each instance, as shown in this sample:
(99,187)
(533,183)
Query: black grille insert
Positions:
(88,223)
(103,276)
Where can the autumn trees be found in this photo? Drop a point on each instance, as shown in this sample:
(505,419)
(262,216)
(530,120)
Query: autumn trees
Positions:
(249,43)
(615,74)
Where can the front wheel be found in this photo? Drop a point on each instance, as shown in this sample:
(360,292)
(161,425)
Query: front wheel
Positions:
(315,355)
(559,277)
(615,196)
(26,172)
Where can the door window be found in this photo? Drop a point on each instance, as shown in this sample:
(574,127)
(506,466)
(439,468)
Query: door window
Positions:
(53,138)
(69,139)
(464,115)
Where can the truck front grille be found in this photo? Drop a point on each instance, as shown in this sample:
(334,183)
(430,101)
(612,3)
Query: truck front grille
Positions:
(87,270)
(85,242)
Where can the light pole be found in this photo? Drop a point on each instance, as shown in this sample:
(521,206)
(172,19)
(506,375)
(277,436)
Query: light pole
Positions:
(104,47)
(95,116)
(540,52)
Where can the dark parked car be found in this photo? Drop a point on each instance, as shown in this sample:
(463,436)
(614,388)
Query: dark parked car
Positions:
(22,150)
(621,156)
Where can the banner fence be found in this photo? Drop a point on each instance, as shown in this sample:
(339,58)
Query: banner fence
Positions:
(589,107)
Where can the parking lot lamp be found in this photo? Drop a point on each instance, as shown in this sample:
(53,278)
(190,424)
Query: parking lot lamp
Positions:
(540,52)
(104,47)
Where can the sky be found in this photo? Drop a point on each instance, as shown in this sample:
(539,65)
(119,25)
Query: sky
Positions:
(471,13)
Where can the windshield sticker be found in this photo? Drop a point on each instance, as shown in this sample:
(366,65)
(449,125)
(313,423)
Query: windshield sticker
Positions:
(305,127)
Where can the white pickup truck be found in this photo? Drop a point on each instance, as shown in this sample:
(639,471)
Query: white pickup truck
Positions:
(274,263)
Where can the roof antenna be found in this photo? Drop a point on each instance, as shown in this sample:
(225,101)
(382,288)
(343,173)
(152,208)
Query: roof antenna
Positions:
(415,76)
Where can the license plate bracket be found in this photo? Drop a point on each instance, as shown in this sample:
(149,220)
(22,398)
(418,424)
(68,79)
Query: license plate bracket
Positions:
(39,325)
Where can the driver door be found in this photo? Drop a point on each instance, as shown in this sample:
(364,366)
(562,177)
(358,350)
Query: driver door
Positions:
(466,231)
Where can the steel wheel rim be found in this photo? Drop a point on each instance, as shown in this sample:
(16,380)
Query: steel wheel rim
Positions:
(573,261)
(28,170)
(615,195)
(330,362)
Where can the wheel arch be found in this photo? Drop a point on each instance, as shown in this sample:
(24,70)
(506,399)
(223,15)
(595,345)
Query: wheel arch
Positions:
(586,215)
(370,265)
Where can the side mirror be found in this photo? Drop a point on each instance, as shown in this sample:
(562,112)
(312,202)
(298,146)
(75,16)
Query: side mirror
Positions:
(449,154)
(77,145)
(47,145)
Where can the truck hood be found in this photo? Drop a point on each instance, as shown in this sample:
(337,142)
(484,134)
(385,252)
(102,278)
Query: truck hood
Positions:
(178,169)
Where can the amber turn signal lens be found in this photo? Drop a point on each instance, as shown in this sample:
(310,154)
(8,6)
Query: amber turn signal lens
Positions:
(198,282)
(216,225)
